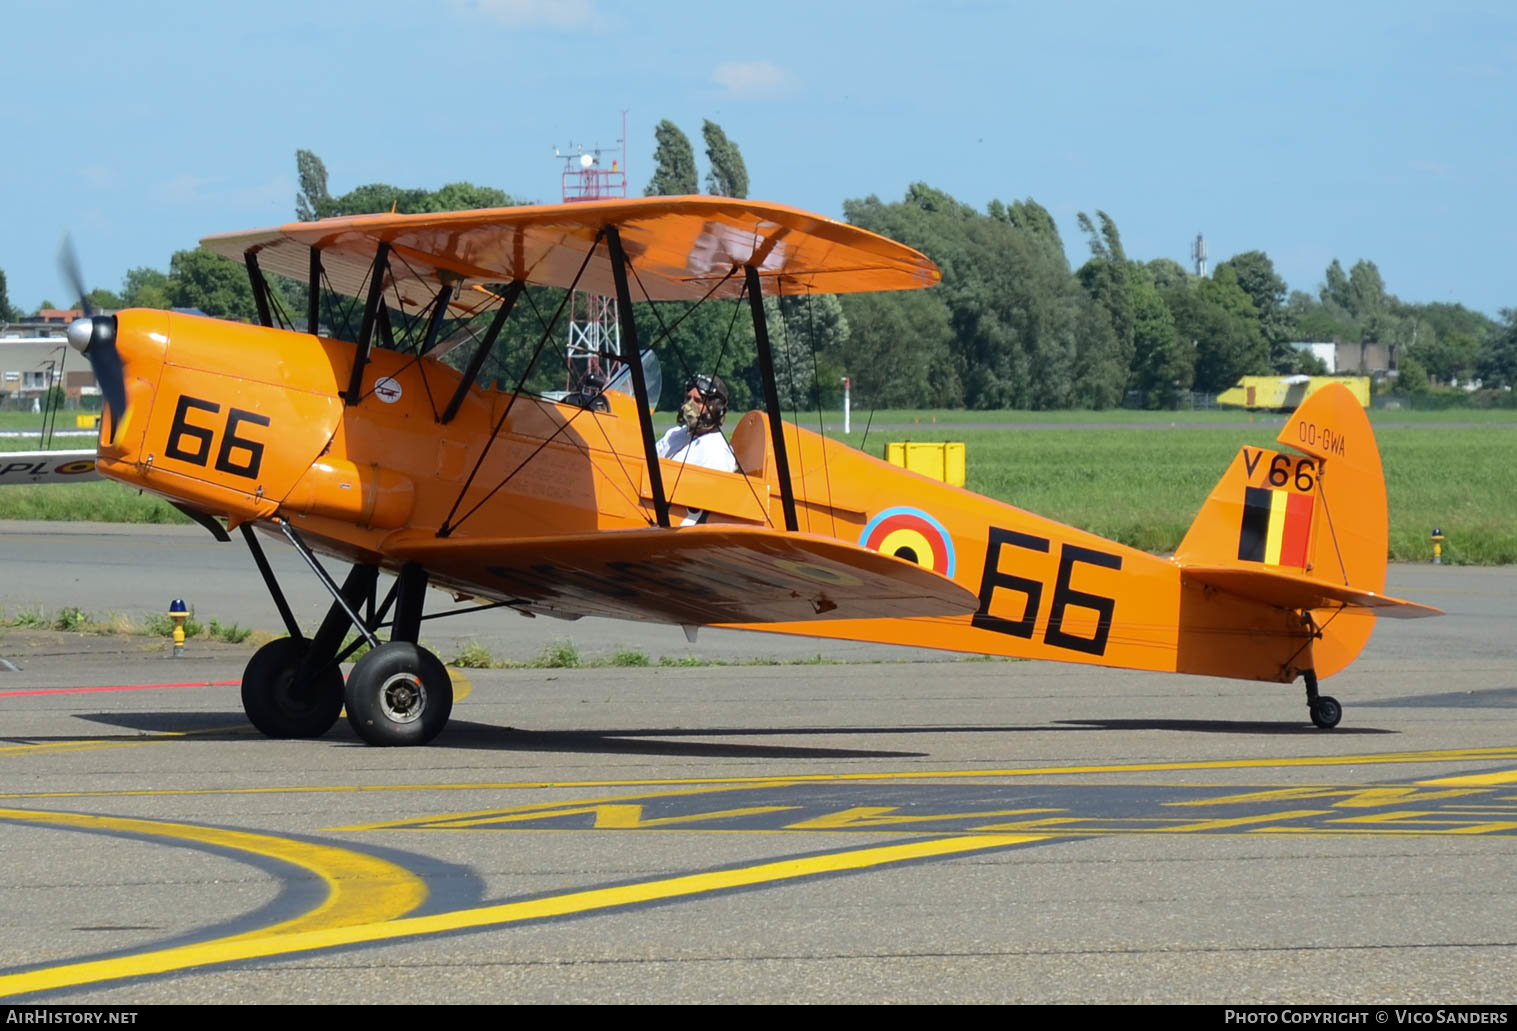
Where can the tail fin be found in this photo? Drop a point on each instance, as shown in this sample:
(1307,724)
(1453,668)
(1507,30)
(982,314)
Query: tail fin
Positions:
(1305,530)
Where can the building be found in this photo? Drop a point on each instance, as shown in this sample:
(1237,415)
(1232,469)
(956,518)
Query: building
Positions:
(35,357)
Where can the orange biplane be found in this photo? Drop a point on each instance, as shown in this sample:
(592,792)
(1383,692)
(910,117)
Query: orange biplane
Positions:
(377,453)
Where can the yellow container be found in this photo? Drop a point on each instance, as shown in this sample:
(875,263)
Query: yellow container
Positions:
(86,422)
(941,460)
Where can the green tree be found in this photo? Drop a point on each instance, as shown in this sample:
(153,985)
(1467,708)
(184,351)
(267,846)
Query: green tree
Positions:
(378,198)
(1014,309)
(313,201)
(715,336)
(102,299)
(1366,289)
(1218,319)
(202,279)
(899,350)
(674,161)
(1161,368)
(1166,273)
(467,197)
(1032,219)
(7,313)
(727,176)
(146,288)
(809,336)
(1335,290)
(1497,363)
(1257,276)
(1110,281)
(1411,378)
(1312,319)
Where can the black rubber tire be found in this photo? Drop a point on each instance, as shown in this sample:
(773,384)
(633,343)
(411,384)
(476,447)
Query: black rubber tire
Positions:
(399,694)
(269,700)
(1327,712)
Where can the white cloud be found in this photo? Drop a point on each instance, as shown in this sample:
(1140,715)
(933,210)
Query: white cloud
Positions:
(1478,71)
(199,191)
(536,14)
(752,78)
(98,177)
(1441,169)
(182,189)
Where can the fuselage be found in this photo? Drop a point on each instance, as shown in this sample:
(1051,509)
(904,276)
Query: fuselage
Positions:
(250,423)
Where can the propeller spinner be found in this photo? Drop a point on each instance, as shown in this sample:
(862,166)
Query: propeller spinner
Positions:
(94,336)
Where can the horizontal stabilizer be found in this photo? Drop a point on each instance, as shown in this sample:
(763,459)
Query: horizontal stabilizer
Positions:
(695,575)
(1293,591)
(47,466)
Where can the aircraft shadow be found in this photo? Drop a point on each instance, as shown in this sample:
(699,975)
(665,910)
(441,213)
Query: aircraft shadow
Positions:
(1489,698)
(651,742)
(673,741)
(1219,727)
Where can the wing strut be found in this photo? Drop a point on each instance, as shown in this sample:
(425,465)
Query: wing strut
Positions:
(471,373)
(260,288)
(439,312)
(313,294)
(632,356)
(771,395)
(370,316)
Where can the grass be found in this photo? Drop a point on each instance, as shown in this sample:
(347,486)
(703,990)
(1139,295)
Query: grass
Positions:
(1135,477)
(1144,488)
(75,620)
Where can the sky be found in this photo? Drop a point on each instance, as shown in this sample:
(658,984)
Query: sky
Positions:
(1381,130)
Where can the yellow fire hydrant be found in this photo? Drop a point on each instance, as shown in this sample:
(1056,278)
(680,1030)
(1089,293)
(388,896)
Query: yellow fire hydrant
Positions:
(1437,546)
(178,612)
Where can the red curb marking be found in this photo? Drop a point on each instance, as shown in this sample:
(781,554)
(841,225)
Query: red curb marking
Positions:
(117,687)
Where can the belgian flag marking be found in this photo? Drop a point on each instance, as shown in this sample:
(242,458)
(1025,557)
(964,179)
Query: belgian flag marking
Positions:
(1276,525)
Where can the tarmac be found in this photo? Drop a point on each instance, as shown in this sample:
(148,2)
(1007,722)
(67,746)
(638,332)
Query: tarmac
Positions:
(882,825)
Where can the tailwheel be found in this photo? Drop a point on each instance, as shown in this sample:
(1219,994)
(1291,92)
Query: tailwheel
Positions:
(399,694)
(1327,712)
(283,700)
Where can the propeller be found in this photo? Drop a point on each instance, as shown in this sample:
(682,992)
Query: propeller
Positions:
(94,336)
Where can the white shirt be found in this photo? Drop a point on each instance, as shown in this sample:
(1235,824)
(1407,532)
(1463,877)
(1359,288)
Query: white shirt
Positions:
(710,450)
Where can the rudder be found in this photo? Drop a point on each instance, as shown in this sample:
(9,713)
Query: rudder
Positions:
(1318,514)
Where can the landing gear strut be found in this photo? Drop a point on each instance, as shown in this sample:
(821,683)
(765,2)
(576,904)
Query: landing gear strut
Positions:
(1325,710)
(398,694)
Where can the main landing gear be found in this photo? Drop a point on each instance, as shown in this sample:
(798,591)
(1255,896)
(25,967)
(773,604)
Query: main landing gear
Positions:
(398,693)
(1325,710)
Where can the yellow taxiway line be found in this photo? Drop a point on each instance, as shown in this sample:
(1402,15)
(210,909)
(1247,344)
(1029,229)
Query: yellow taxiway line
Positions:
(360,888)
(264,945)
(1487,755)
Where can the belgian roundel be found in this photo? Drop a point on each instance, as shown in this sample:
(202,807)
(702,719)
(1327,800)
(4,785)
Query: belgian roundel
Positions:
(911,534)
(76,467)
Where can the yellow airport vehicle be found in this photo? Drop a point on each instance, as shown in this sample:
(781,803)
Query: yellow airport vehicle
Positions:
(1285,393)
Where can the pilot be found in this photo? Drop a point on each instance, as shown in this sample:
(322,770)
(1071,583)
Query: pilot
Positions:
(590,392)
(698,439)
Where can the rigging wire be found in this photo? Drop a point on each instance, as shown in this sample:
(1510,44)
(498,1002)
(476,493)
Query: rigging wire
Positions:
(816,391)
(790,376)
(447,526)
(665,332)
(1327,510)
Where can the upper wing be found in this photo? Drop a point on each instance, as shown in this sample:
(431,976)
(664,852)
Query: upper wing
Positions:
(694,575)
(47,466)
(680,247)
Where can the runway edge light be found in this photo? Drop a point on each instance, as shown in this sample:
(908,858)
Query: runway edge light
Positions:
(178,612)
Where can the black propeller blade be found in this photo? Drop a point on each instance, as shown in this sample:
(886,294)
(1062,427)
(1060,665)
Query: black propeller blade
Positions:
(94,336)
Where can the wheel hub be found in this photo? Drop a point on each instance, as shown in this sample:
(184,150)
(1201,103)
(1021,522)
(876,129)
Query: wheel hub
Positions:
(402,698)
